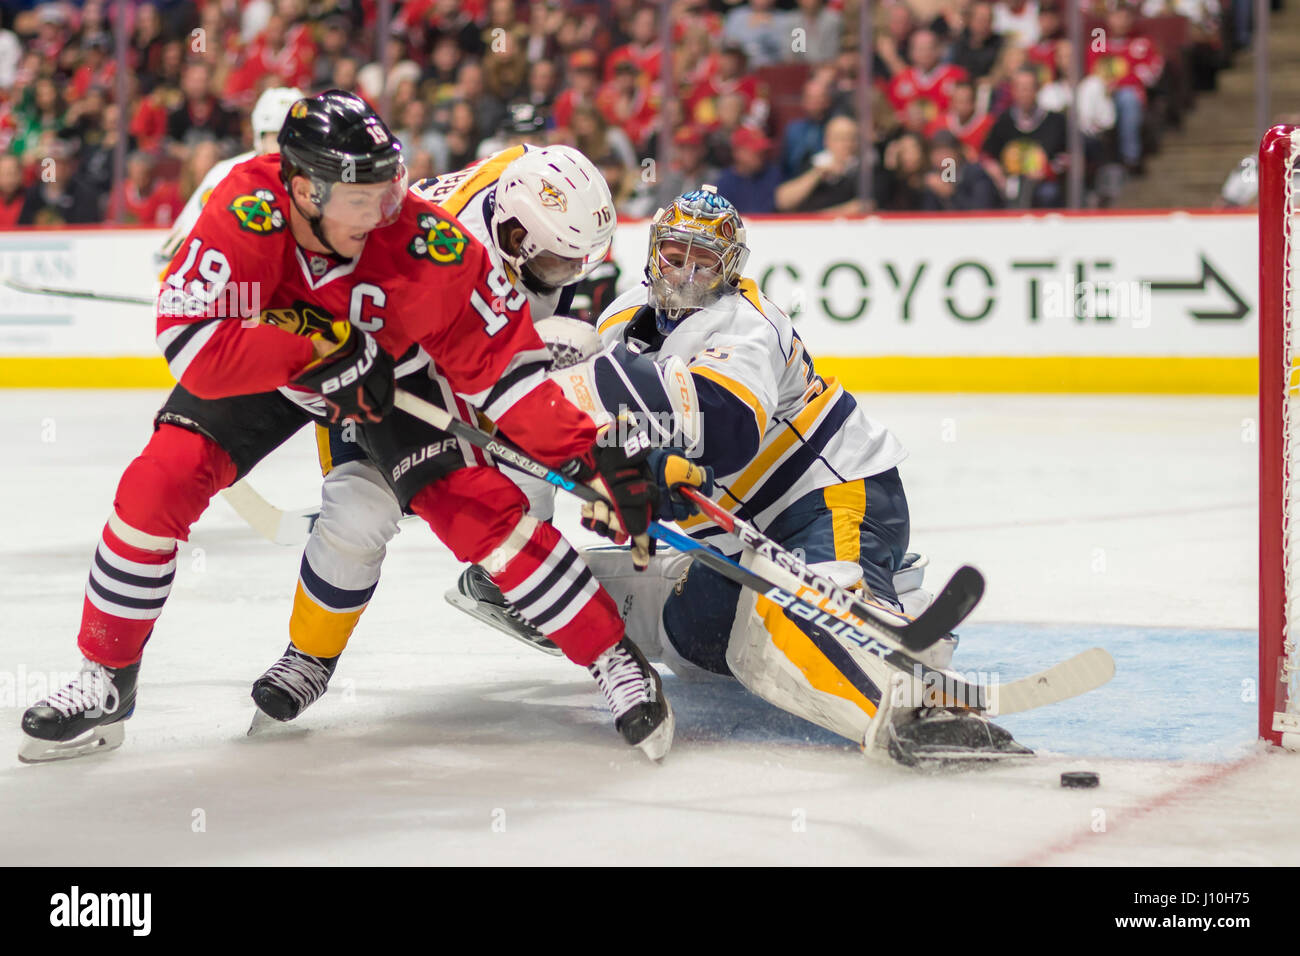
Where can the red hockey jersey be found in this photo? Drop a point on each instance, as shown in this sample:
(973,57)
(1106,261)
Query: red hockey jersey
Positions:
(933,88)
(241,295)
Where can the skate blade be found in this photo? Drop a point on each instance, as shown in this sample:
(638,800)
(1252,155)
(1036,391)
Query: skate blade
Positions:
(660,741)
(96,740)
(478,611)
(952,760)
(260,722)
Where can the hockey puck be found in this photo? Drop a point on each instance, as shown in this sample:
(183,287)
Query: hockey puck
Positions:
(1080,779)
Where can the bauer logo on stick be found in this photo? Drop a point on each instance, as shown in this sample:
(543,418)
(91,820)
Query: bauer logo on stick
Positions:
(442,241)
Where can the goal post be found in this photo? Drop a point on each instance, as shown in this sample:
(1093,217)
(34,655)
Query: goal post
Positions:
(1279,444)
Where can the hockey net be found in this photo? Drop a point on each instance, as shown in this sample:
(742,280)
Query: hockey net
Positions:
(1279,422)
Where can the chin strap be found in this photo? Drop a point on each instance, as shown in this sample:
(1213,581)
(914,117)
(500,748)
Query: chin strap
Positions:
(317,230)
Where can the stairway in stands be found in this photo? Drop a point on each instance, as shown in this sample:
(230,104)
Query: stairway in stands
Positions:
(1220,130)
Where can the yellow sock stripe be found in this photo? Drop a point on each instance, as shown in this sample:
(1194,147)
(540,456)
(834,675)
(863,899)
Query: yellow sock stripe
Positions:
(848,506)
(323,450)
(803,653)
(318,631)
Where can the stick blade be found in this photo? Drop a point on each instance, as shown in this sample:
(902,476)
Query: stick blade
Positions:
(1070,678)
(952,606)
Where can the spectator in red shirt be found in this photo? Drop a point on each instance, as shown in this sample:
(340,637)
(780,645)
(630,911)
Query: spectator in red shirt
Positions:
(643,51)
(142,199)
(968,125)
(96,68)
(584,67)
(1129,65)
(282,50)
(629,103)
(12,192)
(926,79)
(702,101)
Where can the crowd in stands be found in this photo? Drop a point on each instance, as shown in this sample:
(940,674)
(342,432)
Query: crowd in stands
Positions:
(966,106)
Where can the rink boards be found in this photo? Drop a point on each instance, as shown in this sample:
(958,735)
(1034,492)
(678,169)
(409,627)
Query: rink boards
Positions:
(1135,302)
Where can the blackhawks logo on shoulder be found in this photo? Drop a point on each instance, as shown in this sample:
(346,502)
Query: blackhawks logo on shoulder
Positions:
(442,241)
(255,212)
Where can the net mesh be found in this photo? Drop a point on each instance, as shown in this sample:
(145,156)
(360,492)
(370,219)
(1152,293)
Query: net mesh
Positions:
(1291,429)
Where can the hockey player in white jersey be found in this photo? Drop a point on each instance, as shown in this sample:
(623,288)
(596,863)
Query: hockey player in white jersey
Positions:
(268,116)
(716,369)
(546,218)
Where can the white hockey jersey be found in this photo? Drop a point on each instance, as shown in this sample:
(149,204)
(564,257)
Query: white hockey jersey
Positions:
(744,351)
(468,195)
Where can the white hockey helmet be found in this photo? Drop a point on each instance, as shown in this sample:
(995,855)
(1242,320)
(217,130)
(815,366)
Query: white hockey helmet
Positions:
(271,109)
(563,204)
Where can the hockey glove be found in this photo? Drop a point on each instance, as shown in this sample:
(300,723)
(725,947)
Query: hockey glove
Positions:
(672,473)
(354,376)
(624,477)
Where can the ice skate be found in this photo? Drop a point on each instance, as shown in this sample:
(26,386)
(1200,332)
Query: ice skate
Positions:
(635,696)
(84,717)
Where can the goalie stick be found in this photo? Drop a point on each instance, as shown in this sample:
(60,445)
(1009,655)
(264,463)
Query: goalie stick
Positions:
(1070,678)
(952,606)
(956,600)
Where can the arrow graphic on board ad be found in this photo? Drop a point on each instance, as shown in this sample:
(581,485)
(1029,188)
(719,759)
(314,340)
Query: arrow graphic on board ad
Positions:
(1209,277)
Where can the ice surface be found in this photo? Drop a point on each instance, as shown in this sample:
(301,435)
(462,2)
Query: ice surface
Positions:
(1120,521)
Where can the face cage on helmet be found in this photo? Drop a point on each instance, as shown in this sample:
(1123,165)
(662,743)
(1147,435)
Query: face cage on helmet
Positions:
(692,288)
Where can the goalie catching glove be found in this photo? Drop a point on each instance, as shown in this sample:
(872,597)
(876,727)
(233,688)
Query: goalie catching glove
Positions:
(629,476)
(351,373)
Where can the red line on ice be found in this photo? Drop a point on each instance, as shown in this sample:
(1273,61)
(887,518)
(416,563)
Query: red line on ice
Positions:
(1216,775)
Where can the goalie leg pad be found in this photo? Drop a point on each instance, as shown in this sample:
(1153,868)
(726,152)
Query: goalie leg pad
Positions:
(643,599)
(797,666)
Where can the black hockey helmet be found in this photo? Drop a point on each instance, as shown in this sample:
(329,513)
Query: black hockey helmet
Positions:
(335,137)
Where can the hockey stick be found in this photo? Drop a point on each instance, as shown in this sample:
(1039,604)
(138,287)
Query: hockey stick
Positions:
(19,286)
(1077,675)
(277,526)
(952,605)
(956,600)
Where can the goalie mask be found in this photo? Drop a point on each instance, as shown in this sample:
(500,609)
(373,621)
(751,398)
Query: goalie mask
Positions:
(563,204)
(697,255)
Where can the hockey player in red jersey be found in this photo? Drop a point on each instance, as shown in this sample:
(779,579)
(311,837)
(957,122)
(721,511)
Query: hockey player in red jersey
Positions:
(310,283)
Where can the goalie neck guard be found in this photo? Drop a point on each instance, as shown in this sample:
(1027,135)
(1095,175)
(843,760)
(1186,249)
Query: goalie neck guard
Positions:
(697,254)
